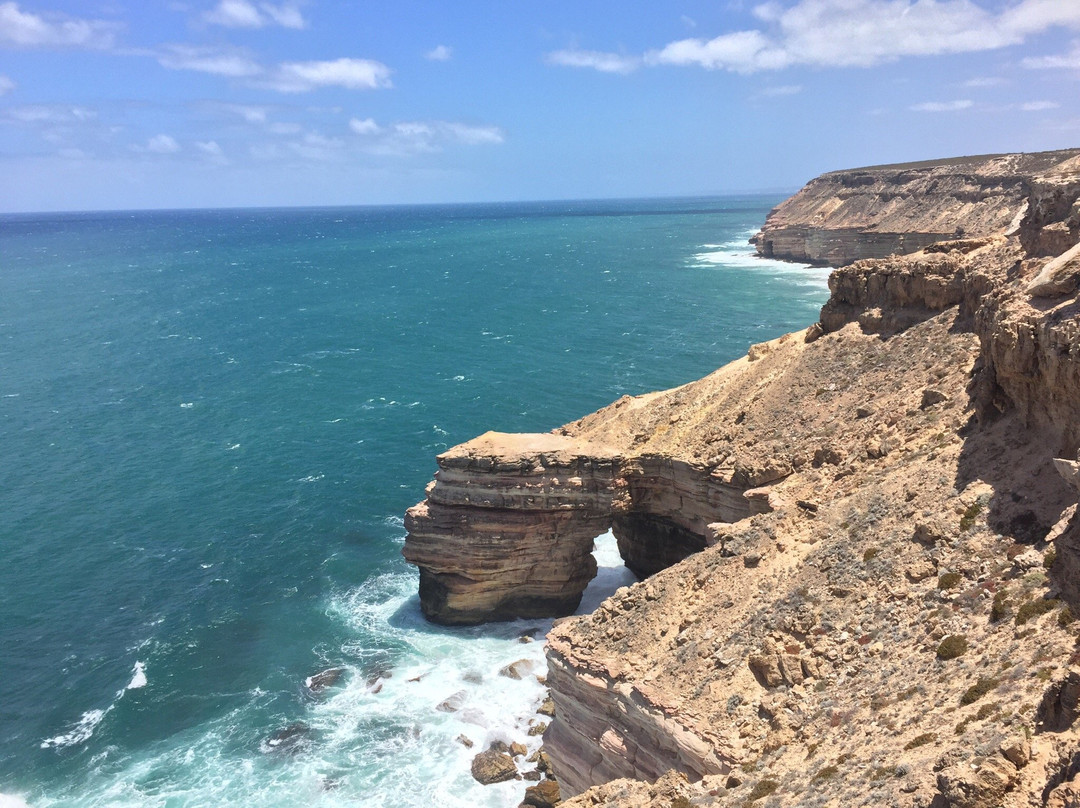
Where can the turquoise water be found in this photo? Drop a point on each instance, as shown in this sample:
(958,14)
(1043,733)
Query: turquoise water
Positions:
(211,425)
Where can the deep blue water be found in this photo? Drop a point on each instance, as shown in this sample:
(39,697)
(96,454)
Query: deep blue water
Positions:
(211,423)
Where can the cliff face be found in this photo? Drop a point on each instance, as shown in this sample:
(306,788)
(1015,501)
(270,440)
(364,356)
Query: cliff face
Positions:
(863,540)
(844,216)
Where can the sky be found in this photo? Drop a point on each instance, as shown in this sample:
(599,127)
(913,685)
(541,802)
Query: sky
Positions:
(133,104)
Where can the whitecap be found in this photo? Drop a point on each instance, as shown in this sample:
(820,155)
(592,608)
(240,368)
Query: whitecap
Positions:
(187,405)
(738,254)
(233,447)
(80,731)
(13,801)
(311,478)
(138,677)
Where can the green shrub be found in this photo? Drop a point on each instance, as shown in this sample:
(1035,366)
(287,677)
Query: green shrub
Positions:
(920,740)
(1065,616)
(763,788)
(870,554)
(987,710)
(979,689)
(826,773)
(949,580)
(953,646)
(1000,609)
(1050,557)
(968,519)
(1035,608)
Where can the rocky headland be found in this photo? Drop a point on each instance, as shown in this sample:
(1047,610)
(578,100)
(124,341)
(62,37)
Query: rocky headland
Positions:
(858,544)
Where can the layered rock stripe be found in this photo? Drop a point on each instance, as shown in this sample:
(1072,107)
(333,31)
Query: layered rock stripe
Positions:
(900,474)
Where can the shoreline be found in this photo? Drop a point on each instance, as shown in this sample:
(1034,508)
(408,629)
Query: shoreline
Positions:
(741,490)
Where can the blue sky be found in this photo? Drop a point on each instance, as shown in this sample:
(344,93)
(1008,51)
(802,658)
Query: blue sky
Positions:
(210,103)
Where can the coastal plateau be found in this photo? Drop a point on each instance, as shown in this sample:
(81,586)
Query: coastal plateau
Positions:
(858,544)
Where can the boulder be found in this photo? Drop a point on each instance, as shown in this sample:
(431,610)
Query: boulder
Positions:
(493,767)
(543,795)
(1059,278)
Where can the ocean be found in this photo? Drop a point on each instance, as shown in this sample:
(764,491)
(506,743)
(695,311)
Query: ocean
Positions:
(211,424)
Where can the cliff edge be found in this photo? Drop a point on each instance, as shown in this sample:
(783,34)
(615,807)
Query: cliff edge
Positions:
(859,544)
(875,212)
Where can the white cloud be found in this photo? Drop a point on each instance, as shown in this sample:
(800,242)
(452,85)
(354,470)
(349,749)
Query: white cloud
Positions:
(985,81)
(786,89)
(6,84)
(287,16)
(285,128)
(473,135)
(352,74)
(228,63)
(851,33)
(249,113)
(417,137)
(49,114)
(942,106)
(212,151)
(1036,16)
(742,51)
(244,14)
(162,144)
(1039,106)
(440,53)
(604,62)
(1064,61)
(367,126)
(23,29)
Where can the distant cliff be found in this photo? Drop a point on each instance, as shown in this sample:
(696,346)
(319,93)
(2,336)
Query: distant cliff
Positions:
(875,212)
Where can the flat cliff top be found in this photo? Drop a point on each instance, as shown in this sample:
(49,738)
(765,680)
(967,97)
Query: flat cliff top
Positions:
(1021,163)
(876,211)
(515,446)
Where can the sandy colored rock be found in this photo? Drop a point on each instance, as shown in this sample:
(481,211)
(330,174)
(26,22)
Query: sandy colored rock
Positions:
(811,676)
(875,212)
(493,767)
(543,795)
(1060,277)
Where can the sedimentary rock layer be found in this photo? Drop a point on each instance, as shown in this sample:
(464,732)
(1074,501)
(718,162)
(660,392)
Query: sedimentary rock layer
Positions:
(871,537)
(874,212)
(508,525)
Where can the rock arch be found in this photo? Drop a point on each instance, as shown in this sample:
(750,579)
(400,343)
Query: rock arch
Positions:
(506,530)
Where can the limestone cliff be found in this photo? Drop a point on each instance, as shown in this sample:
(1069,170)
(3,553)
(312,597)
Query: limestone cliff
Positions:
(861,540)
(879,211)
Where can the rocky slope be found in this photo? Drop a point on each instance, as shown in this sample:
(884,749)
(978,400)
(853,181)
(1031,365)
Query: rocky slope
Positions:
(862,541)
(879,211)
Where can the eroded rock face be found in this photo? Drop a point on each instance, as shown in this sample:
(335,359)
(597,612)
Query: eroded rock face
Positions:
(816,519)
(507,528)
(880,211)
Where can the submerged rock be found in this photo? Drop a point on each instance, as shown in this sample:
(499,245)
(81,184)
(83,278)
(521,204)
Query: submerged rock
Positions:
(323,680)
(289,740)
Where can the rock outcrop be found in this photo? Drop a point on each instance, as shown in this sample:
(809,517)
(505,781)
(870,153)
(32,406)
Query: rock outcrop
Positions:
(861,542)
(507,528)
(874,212)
